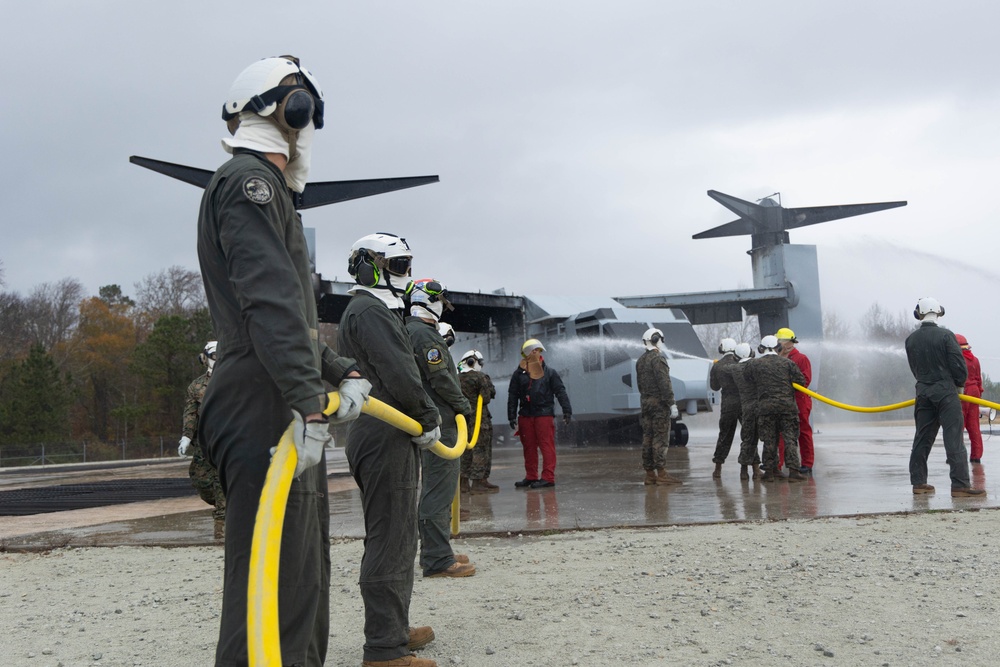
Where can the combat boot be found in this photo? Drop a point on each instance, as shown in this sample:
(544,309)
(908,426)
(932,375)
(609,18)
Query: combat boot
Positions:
(650,478)
(493,488)
(743,472)
(768,476)
(420,637)
(663,478)
(758,472)
(795,476)
(406,661)
(463,484)
(479,488)
(717,473)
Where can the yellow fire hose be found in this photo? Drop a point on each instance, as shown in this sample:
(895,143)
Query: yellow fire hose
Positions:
(263,636)
(886,408)
(456,502)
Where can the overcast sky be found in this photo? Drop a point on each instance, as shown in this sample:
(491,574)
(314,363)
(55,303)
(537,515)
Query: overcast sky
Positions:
(575,140)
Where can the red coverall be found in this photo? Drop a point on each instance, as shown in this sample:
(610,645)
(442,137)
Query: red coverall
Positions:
(805,404)
(970,411)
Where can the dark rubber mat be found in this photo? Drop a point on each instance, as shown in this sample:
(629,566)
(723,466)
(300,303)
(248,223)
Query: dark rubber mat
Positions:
(22,502)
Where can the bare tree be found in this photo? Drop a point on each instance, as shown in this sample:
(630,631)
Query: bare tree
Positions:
(745,331)
(172,291)
(52,312)
(14,339)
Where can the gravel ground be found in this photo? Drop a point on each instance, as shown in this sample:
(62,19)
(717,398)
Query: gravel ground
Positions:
(885,590)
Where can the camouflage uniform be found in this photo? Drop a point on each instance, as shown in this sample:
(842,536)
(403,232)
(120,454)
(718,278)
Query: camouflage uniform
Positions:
(748,421)
(204,476)
(656,395)
(721,378)
(776,409)
(478,462)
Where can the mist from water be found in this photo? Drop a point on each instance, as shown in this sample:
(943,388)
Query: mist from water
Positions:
(581,344)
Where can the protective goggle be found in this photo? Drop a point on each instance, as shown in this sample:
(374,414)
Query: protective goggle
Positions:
(434,290)
(399,266)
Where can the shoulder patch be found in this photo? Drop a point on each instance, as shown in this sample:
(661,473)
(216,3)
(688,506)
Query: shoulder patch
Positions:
(434,356)
(258,190)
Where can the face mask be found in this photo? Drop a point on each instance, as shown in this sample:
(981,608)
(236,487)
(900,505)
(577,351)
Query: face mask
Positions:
(297,169)
(257,134)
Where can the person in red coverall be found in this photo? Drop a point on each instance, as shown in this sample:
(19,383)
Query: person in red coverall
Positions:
(803,401)
(970,411)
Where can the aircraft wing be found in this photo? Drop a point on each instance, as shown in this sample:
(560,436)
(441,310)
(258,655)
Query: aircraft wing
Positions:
(315,194)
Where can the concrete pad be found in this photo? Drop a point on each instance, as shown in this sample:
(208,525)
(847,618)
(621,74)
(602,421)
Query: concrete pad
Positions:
(860,469)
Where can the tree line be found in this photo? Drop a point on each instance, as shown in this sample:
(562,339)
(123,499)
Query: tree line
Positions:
(100,368)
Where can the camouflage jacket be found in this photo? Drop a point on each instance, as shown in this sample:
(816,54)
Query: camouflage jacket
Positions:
(748,390)
(721,379)
(476,384)
(774,376)
(653,377)
(195,392)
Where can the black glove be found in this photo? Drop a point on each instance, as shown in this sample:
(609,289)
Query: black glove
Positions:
(513,424)
(566,418)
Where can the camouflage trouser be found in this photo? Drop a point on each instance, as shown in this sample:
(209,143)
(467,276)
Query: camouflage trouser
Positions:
(205,479)
(727,430)
(787,426)
(655,435)
(748,440)
(478,461)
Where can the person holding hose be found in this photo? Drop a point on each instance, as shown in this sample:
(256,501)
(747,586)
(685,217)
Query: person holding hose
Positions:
(271,365)
(970,411)
(940,370)
(384,461)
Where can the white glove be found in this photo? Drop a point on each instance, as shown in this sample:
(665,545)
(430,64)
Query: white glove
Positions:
(674,413)
(353,393)
(310,441)
(183,445)
(427,439)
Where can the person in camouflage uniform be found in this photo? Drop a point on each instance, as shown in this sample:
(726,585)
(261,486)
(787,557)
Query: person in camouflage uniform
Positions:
(656,399)
(777,413)
(749,455)
(478,462)
(204,476)
(721,379)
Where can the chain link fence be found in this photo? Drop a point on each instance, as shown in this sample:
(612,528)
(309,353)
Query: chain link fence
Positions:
(56,453)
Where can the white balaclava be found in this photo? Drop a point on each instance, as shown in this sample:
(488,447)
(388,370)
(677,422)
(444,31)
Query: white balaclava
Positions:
(257,133)
(384,294)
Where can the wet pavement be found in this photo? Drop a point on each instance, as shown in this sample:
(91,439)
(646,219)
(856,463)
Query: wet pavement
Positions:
(859,470)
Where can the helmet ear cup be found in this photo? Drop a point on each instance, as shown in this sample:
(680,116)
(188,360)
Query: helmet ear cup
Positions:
(363,269)
(916,312)
(655,339)
(296,110)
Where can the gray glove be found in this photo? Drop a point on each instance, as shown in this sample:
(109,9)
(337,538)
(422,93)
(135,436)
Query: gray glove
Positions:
(353,394)
(427,439)
(310,441)
(674,413)
(182,446)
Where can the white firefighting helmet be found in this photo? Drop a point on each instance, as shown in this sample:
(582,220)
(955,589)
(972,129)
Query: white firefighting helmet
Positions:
(927,306)
(743,351)
(470,361)
(652,338)
(430,296)
(207,356)
(727,345)
(447,332)
(376,258)
(768,345)
(259,89)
